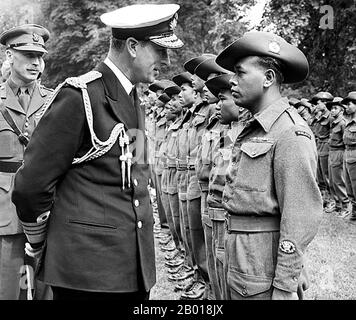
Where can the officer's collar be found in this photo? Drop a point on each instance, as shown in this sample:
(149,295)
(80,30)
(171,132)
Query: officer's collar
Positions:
(269,115)
(15,88)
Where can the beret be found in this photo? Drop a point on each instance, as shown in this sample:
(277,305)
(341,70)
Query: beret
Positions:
(191,64)
(325,96)
(172,90)
(164,97)
(184,77)
(266,44)
(336,101)
(350,97)
(304,103)
(293,101)
(207,67)
(160,85)
(219,83)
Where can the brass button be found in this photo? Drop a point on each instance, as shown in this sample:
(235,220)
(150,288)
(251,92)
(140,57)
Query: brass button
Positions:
(136,203)
(244,292)
(26,124)
(135,182)
(139,224)
(26,134)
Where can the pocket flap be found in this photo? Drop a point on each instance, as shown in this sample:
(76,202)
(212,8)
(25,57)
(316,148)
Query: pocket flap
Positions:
(352,129)
(255,149)
(5,182)
(248,285)
(198,120)
(4,125)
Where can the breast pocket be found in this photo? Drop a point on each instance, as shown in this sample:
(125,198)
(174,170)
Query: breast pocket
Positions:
(254,167)
(6,206)
(7,140)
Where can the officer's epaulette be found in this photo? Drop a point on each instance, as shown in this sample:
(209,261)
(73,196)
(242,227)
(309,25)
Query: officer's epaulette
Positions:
(46,88)
(81,81)
(212,121)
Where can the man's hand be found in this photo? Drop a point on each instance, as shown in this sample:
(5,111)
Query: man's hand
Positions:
(278,294)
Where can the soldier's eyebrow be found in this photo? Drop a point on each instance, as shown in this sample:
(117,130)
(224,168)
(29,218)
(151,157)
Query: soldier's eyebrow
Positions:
(239,67)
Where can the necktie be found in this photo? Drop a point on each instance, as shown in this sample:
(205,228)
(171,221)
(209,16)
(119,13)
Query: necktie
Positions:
(24,98)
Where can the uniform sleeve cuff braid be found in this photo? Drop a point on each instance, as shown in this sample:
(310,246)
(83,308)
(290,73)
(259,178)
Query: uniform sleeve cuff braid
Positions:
(36,231)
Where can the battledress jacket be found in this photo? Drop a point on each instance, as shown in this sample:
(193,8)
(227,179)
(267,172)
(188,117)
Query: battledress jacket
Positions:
(100,235)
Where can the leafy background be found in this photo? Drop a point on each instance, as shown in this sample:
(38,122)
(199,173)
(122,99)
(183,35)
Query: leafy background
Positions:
(79,40)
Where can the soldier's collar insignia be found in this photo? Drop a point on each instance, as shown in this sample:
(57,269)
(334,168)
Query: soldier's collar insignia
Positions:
(274,47)
(287,246)
(35,37)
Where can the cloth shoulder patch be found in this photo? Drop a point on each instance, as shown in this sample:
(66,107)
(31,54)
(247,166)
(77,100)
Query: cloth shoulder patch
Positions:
(287,246)
(303,133)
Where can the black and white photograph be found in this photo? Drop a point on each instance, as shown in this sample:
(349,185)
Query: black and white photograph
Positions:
(174,155)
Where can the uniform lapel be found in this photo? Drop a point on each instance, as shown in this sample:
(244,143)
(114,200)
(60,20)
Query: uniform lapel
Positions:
(119,102)
(37,100)
(11,101)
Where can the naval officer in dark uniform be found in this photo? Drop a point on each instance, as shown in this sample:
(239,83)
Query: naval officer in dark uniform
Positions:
(82,193)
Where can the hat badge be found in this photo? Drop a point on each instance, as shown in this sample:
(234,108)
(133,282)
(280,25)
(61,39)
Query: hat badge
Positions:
(173,23)
(35,37)
(274,47)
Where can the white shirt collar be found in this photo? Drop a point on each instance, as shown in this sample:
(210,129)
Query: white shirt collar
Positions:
(126,83)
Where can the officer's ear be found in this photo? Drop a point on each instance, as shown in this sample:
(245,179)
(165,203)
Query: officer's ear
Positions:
(131,45)
(9,55)
(270,78)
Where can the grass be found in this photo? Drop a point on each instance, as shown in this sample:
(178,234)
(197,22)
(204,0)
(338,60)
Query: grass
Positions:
(330,259)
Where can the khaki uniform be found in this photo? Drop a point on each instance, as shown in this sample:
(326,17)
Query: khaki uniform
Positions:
(210,139)
(336,163)
(349,139)
(221,157)
(273,202)
(158,168)
(195,131)
(181,165)
(172,184)
(12,238)
(322,134)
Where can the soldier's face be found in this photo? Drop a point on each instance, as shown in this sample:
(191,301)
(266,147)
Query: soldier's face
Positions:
(148,61)
(25,65)
(227,108)
(351,107)
(208,96)
(247,83)
(197,83)
(186,96)
(336,110)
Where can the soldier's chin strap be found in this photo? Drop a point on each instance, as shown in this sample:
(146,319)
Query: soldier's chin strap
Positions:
(99,147)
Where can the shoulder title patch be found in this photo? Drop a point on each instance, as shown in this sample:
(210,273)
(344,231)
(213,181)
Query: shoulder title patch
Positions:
(303,133)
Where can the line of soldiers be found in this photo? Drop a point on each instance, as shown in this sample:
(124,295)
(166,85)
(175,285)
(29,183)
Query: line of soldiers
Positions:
(192,123)
(191,133)
(332,120)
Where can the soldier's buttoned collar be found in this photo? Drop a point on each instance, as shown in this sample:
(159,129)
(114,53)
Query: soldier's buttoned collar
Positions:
(268,116)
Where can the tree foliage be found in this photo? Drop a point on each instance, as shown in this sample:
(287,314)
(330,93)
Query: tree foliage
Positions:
(79,40)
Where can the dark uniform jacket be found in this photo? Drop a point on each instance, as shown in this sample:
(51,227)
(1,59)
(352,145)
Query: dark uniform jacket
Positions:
(11,149)
(99,235)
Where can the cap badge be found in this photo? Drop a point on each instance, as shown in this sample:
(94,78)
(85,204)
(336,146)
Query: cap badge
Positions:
(173,23)
(274,47)
(35,37)
(287,246)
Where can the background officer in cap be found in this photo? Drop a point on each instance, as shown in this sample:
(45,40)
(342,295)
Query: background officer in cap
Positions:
(21,100)
(273,202)
(86,172)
